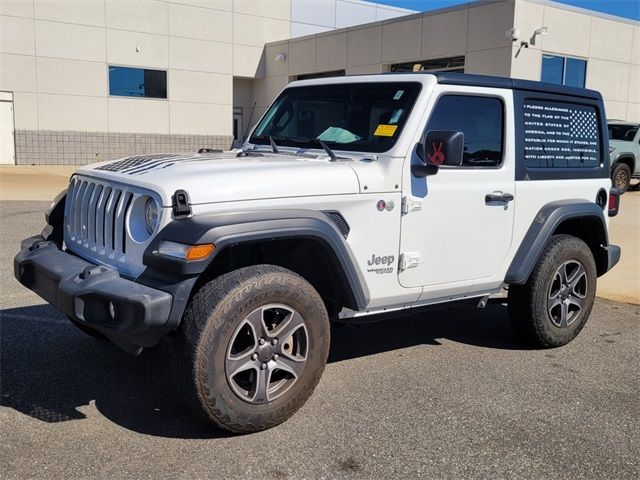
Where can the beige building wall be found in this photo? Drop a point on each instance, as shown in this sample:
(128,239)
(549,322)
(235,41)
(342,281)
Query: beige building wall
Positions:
(54,57)
(611,47)
(478,31)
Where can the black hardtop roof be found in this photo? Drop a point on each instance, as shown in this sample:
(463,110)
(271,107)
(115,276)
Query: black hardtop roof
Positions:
(449,78)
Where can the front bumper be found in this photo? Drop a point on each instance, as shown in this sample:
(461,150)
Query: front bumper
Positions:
(130,314)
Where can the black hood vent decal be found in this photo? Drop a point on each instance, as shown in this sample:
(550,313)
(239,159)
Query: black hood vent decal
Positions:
(140,164)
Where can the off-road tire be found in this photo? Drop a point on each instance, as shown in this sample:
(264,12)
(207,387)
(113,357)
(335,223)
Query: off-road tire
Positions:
(621,177)
(528,303)
(208,325)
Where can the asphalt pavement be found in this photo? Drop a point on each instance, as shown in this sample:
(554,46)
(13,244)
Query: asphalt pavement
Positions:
(448,394)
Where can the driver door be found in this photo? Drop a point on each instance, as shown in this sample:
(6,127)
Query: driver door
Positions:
(457,229)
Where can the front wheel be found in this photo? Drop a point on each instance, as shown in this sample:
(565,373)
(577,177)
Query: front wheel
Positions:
(554,305)
(253,345)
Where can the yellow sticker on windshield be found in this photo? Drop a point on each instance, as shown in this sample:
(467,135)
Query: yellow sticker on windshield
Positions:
(385,130)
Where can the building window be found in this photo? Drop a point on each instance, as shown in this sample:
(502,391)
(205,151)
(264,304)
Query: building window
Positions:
(451,64)
(563,70)
(481,120)
(137,82)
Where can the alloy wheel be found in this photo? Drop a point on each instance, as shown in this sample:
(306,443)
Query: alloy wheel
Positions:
(267,353)
(567,293)
(621,180)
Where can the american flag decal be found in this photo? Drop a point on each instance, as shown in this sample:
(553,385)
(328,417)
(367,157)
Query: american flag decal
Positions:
(560,135)
(584,124)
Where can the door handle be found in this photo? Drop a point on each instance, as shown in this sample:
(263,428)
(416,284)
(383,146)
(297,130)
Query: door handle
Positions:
(498,197)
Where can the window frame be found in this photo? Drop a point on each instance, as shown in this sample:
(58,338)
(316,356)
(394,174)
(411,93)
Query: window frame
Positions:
(339,147)
(564,68)
(137,67)
(502,139)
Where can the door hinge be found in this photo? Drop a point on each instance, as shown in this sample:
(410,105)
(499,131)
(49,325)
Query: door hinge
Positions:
(408,260)
(409,204)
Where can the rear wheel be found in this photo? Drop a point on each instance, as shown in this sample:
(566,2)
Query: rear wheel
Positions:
(621,177)
(253,346)
(554,305)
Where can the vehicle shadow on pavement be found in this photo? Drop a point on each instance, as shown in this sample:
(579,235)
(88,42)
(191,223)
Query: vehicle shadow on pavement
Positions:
(51,371)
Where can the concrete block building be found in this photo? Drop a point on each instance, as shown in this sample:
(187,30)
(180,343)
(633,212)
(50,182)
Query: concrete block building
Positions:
(85,81)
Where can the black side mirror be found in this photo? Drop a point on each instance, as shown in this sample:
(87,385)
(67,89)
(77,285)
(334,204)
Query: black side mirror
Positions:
(443,148)
(436,149)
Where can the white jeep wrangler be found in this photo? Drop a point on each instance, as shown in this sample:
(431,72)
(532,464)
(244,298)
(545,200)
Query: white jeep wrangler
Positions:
(352,196)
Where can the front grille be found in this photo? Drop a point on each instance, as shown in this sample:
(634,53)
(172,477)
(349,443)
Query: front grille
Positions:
(96,215)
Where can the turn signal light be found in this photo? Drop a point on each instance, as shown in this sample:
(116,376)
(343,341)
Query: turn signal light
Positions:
(199,252)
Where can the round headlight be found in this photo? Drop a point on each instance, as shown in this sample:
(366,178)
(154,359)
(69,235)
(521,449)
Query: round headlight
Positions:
(151,215)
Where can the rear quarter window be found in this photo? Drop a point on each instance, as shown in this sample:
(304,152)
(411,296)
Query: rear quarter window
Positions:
(561,135)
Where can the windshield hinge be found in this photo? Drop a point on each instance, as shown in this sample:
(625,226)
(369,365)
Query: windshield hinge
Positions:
(410,204)
(408,260)
(180,204)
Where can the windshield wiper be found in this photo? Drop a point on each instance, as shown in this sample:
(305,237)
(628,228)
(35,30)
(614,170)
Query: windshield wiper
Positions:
(328,150)
(274,147)
(316,141)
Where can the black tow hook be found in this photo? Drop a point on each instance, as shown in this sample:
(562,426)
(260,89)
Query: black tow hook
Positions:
(87,271)
(37,244)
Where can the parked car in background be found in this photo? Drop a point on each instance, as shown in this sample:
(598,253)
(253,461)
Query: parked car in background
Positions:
(624,150)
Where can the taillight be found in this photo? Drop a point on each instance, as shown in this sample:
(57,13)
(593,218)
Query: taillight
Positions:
(614,202)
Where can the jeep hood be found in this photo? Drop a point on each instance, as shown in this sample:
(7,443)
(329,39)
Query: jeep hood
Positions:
(224,177)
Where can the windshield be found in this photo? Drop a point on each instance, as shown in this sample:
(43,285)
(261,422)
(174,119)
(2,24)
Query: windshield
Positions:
(364,117)
(622,132)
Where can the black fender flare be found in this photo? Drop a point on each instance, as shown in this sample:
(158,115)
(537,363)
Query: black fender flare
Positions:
(545,223)
(623,155)
(228,229)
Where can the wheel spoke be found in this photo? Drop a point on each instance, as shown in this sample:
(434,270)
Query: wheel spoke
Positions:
(256,320)
(576,285)
(564,273)
(556,286)
(289,326)
(291,365)
(564,313)
(237,364)
(261,389)
(576,276)
(554,302)
(577,302)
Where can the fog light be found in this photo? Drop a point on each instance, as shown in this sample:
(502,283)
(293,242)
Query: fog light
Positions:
(112,310)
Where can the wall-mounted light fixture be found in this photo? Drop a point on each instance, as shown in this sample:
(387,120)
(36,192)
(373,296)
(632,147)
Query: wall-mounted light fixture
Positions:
(532,40)
(541,31)
(281,57)
(513,34)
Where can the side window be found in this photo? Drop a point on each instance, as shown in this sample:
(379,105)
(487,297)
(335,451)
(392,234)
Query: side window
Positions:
(481,119)
(560,135)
